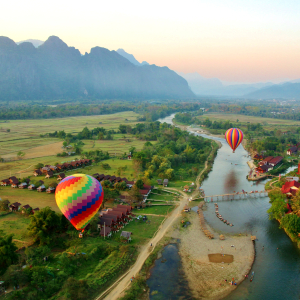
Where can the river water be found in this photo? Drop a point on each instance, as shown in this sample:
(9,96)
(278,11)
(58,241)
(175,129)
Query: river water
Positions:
(277,262)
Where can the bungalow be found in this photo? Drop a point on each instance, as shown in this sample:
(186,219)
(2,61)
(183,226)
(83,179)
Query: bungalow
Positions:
(130,184)
(118,179)
(166,182)
(264,168)
(120,215)
(292,150)
(75,164)
(275,161)
(112,179)
(61,176)
(25,208)
(66,166)
(265,161)
(145,194)
(107,177)
(5,182)
(49,174)
(32,187)
(124,179)
(126,235)
(128,207)
(59,167)
(106,231)
(13,181)
(159,181)
(14,206)
(23,185)
(45,169)
(37,172)
(35,210)
(290,188)
(108,222)
(41,188)
(50,190)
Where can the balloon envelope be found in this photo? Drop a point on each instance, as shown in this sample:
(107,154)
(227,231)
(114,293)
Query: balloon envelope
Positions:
(234,137)
(79,198)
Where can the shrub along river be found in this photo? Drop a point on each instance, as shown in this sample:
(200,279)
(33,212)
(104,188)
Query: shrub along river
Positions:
(277,262)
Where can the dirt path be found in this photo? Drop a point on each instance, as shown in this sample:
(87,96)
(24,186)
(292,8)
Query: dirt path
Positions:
(114,291)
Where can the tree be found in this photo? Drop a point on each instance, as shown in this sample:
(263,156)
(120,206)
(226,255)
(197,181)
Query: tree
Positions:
(1,159)
(42,224)
(76,289)
(39,166)
(35,255)
(20,154)
(140,184)
(4,205)
(292,223)
(7,250)
(122,128)
(135,194)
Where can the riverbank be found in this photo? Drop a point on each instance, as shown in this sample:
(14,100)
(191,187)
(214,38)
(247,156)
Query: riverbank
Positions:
(207,279)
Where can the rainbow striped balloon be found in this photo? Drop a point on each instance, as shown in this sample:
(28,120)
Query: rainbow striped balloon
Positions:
(234,137)
(79,198)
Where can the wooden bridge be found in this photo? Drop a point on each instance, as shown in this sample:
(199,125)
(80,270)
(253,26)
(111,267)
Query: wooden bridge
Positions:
(233,196)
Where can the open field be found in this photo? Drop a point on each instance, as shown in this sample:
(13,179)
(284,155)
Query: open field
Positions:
(25,134)
(155,209)
(16,224)
(269,123)
(142,230)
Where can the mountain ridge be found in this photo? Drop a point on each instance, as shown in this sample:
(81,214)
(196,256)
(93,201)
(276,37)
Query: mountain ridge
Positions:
(54,70)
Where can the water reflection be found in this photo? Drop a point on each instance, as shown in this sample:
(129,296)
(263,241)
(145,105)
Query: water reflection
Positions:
(277,271)
(231,182)
(167,280)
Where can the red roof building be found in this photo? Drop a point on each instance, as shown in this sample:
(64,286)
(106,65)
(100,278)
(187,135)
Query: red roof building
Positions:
(290,188)
(275,160)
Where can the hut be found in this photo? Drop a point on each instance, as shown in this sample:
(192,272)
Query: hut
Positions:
(23,185)
(14,206)
(61,176)
(41,188)
(32,187)
(25,208)
(126,235)
(37,172)
(106,231)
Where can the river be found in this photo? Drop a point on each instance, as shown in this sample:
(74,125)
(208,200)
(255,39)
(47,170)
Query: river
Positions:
(277,262)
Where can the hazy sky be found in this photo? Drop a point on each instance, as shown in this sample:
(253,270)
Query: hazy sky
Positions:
(234,40)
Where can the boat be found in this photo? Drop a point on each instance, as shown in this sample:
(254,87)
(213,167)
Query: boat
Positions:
(252,276)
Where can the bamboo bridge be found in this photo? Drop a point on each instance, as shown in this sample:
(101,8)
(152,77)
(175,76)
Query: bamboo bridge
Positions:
(233,196)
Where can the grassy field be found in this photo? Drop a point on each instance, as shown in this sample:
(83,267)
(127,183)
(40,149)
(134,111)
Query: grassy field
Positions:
(16,224)
(269,123)
(142,230)
(25,134)
(155,209)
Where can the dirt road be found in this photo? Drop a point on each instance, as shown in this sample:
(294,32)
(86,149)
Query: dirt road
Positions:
(114,291)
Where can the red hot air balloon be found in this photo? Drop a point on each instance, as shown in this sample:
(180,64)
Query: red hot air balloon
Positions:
(234,137)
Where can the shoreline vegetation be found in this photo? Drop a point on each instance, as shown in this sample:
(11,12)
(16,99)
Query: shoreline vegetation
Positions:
(285,210)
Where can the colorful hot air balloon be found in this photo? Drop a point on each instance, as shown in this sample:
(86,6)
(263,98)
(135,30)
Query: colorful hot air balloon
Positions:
(79,198)
(234,137)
